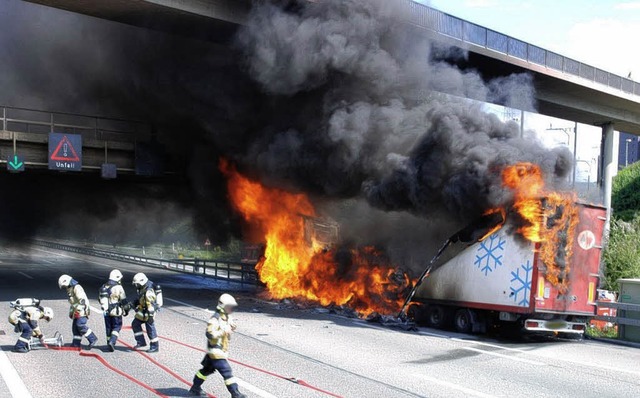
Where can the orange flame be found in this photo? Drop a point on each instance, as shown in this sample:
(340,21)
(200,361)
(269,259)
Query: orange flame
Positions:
(293,267)
(550,219)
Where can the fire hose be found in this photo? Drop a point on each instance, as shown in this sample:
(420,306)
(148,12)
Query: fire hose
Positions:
(55,343)
(107,365)
(290,379)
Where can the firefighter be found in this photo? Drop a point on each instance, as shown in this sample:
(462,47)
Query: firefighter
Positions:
(79,311)
(146,307)
(219,330)
(113,301)
(25,321)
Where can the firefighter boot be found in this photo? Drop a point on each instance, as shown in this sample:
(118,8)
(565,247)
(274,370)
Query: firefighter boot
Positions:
(235,393)
(196,388)
(154,347)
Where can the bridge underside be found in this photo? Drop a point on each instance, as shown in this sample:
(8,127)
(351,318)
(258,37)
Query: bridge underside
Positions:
(201,19)
(558,95)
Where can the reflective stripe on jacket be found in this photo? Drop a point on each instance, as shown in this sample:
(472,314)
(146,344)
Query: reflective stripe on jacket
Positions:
(79,301)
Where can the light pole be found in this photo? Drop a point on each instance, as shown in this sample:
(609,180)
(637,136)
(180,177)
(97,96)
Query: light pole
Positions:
(566,131)
(626,151)
(588,175)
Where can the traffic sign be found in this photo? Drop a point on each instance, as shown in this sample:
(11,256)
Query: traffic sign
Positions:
(109,171)
(65,152)
(15,163)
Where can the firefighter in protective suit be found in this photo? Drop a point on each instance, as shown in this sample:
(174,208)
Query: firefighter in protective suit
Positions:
(146,307)
(79,311)
(26,323)
(113,301)
(219,330)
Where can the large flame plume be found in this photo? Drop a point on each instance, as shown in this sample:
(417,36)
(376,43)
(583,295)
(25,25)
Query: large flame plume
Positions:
(546,217)
(297,266)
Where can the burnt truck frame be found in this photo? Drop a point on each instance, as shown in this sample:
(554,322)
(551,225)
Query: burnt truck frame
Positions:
(502,282)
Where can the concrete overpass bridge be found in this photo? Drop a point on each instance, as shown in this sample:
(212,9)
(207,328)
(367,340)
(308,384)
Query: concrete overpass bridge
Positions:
(565,88)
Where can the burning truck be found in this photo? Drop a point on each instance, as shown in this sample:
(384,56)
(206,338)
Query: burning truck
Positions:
(541,276)
(502,280)
(532,263)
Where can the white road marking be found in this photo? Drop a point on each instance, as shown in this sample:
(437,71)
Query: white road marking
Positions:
(511,357)
(12,379)
(465,390)
(254,389)
(189,305)
(91,275)
(25,275)
(551,357)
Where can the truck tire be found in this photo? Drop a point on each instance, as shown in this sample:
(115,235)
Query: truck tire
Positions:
(437,316)
(463,321)
(417,313)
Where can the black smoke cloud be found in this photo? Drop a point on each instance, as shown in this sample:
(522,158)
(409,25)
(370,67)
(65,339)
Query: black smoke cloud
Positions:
(338,99)
(370,117)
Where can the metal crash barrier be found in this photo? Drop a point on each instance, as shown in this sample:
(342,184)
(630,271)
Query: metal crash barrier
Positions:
(627,310)
(223,270)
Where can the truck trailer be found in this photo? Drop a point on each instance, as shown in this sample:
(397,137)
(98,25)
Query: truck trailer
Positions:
(501,281)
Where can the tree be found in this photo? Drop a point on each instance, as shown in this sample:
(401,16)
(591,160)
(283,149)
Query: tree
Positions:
(622,255)
(625,196)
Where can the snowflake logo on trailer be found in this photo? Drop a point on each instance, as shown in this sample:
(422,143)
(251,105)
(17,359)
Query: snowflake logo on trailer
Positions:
(521,284)
(489,254)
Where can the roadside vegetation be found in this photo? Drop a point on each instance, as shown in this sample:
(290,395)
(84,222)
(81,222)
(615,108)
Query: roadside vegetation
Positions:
(622,255)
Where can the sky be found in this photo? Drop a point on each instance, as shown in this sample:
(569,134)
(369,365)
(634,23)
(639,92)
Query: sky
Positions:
(601,33)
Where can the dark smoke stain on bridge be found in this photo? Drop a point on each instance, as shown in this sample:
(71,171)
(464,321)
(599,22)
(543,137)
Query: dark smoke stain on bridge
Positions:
(335,99)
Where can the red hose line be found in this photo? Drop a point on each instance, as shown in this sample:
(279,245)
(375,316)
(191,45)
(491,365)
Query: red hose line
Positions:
(161,366)
(291,379)
(109,366)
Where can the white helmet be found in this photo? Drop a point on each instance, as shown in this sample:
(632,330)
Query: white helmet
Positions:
(64,281)
(227,302)
(48,313)
(140,280)
(115,275)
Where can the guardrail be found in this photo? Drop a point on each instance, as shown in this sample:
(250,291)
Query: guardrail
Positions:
(621,316)
(467,32)
(229,271)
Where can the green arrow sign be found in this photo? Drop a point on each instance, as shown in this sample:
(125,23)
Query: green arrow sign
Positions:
(15,163)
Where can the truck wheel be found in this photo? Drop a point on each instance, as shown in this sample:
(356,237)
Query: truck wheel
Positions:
(437,316)
(462,321)
(416,312)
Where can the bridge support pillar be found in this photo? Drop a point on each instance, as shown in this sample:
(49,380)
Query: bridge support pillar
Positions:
(609,151)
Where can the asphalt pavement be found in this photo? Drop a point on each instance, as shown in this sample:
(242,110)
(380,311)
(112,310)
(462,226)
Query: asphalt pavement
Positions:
(283,351)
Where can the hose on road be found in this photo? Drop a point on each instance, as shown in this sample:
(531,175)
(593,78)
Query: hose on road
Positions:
(109,366)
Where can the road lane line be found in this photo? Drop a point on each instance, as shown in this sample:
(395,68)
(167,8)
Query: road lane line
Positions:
(495,354)
(25,275)
(91,275)
(12,379)
(189,305)
(467,391)
(246,385)
(254,389)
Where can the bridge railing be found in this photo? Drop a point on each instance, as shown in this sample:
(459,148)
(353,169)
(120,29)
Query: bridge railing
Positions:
(467,32)
(24,120)
(230,271)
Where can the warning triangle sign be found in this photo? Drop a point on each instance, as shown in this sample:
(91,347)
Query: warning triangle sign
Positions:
(65,152)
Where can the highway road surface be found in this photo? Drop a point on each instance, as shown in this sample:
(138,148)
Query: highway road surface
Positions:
(284,352)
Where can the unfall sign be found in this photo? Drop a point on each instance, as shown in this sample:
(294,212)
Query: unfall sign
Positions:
(65,152)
